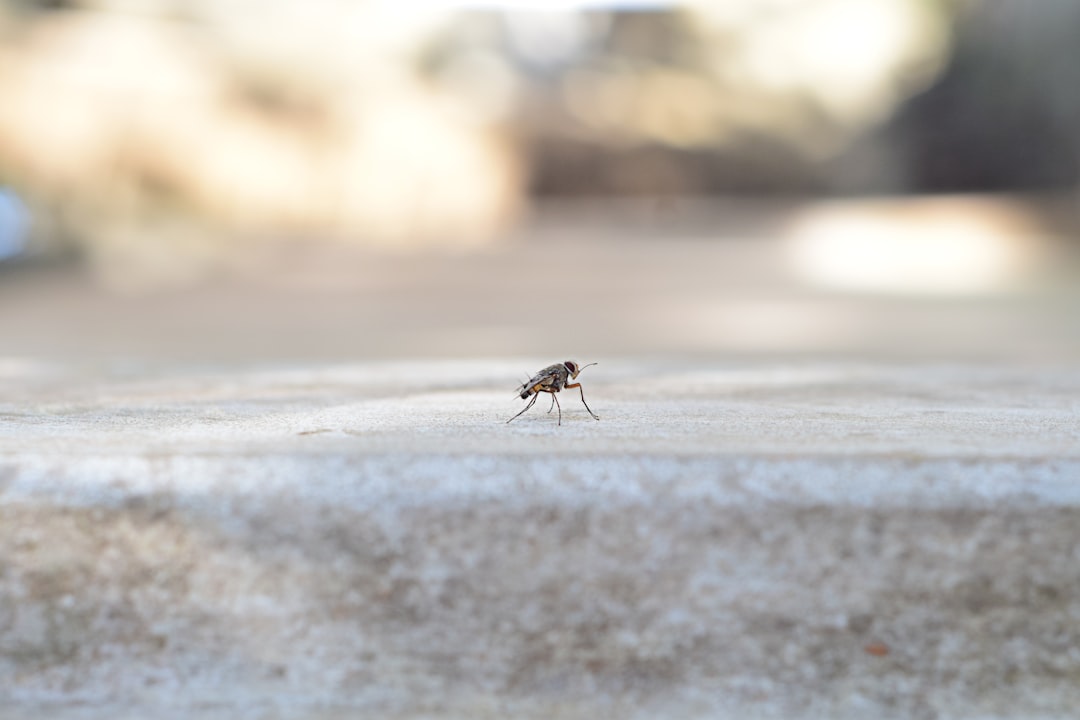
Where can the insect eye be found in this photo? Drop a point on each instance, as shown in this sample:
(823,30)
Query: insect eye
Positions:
(571,365)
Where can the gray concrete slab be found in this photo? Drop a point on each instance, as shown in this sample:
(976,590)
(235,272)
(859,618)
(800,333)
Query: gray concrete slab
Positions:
(827,539)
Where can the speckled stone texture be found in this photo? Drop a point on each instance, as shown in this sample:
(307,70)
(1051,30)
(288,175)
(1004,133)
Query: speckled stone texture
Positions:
(800,540)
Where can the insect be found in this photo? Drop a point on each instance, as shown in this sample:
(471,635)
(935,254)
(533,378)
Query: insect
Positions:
(552,379)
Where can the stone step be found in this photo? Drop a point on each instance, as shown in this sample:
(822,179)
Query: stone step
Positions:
(792,540)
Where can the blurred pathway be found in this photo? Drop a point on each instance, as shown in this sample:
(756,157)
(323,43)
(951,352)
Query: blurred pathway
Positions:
(731,281)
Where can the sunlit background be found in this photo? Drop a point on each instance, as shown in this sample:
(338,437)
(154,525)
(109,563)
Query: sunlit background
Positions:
(336,179)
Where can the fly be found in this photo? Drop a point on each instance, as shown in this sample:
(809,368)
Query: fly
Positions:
(552,379)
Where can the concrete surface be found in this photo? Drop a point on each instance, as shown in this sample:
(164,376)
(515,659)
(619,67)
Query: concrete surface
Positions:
(731,540)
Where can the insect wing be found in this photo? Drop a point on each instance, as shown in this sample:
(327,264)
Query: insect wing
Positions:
(528,387)
(541,381)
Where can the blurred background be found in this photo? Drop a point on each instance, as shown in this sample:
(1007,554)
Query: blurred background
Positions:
(290,180)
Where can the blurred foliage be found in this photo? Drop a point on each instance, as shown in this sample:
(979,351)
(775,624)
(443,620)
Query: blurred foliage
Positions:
(155,135)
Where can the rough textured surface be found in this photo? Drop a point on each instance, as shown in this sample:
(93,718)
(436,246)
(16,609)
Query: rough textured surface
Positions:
(800,540)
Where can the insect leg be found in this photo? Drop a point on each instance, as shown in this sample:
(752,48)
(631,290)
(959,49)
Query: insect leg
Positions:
(531,403)
(555,401)
(552,406)
(578,386)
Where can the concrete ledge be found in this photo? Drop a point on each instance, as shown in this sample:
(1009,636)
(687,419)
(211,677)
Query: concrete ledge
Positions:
(795,541)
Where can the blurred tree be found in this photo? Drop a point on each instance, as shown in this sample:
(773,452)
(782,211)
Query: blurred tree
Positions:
(1005,114)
